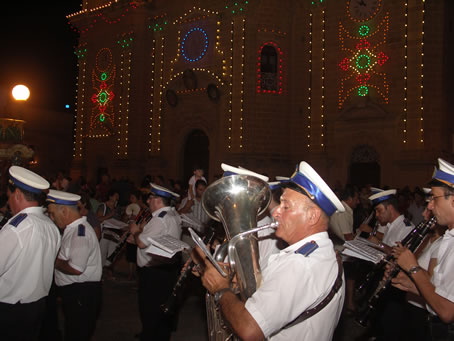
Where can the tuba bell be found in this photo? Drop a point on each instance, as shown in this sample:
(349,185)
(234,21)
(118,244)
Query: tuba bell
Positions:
(236,201)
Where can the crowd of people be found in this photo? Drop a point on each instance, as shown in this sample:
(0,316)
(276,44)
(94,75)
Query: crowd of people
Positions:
(61,238)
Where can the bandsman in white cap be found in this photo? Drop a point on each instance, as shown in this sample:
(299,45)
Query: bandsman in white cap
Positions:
(78,266)
(302,293)
(387,213)
(157,275)
(29,244)
(387,324)
(436,289)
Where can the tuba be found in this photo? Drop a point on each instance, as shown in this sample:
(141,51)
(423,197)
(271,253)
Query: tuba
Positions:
(236,201)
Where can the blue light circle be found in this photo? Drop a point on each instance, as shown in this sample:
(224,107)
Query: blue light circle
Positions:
(204,50)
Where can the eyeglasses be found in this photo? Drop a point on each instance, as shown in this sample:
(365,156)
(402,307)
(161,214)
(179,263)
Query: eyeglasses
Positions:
(431,197)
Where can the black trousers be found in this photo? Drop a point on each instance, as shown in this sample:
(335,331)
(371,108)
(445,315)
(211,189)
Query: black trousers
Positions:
(155,286)
(391,312)
(50,330)
(416,323)
(81,303)
(440,331)
(21,322)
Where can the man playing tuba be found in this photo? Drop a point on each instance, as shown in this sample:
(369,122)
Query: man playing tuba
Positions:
(302,293)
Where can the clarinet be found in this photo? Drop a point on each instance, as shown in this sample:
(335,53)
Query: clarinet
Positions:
(144,215)
(412,245)
(371,276)
(169,306)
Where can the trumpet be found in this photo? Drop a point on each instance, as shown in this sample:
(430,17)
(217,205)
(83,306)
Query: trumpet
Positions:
(144,215)
(412,242)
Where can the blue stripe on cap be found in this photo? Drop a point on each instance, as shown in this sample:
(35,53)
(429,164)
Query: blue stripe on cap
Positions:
(228,173)
(60,201)
(20,184)
(376,201)
(160,193)
(275,186)
(325,204)
(440,175)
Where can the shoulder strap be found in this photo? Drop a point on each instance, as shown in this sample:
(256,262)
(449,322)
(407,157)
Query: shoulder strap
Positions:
(162,214)
(18,219)
(307,248)
(336,286)
(81,230)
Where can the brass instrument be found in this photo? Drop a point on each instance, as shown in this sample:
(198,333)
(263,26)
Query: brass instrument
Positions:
(412,242)
(144,215)
(236,201)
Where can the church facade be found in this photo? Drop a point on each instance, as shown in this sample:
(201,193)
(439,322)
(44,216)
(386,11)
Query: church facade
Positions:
(358,88)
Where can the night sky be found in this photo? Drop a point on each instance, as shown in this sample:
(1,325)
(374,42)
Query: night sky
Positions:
(37,50)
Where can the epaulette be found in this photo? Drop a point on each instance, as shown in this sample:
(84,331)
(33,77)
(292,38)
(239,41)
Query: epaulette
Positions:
(407,222)
(307,248)
(162,214)
(18,219)
(81,230)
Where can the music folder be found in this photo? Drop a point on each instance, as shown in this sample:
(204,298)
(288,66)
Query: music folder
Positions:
(201,244)
(363,249)
(166,246)
(113,223)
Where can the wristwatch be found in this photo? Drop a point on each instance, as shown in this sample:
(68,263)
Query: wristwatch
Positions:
(413,270)
(218,294)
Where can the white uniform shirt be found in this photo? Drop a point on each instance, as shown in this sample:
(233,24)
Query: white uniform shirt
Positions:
(80,247)
(292,284)
(29,245)
(443,276)
(429,252)
(397,230)
(165,221)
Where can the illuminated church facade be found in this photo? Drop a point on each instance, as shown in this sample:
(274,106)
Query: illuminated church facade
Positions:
(359,89)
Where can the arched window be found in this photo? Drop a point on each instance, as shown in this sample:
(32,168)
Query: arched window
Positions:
(269,69)
(268,60)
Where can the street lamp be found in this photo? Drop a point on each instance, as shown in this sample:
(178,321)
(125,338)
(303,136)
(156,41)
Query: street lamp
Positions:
(20,92)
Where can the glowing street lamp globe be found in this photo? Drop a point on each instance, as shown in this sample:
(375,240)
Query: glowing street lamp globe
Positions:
(21,93)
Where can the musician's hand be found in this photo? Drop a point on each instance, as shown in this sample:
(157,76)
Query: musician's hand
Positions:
(405,258)
(365,228)
(403,282)
(134,229)
(388,269)
(212,280)
(131,239)
(374,239)
(397,250)
(142,224)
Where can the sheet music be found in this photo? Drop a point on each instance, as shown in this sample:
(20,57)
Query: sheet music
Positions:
(191,221)
(360,248)
(207,253)
(166,245)
(113,223)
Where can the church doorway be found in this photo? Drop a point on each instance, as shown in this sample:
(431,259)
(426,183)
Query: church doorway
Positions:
(195,152)
(364,167)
